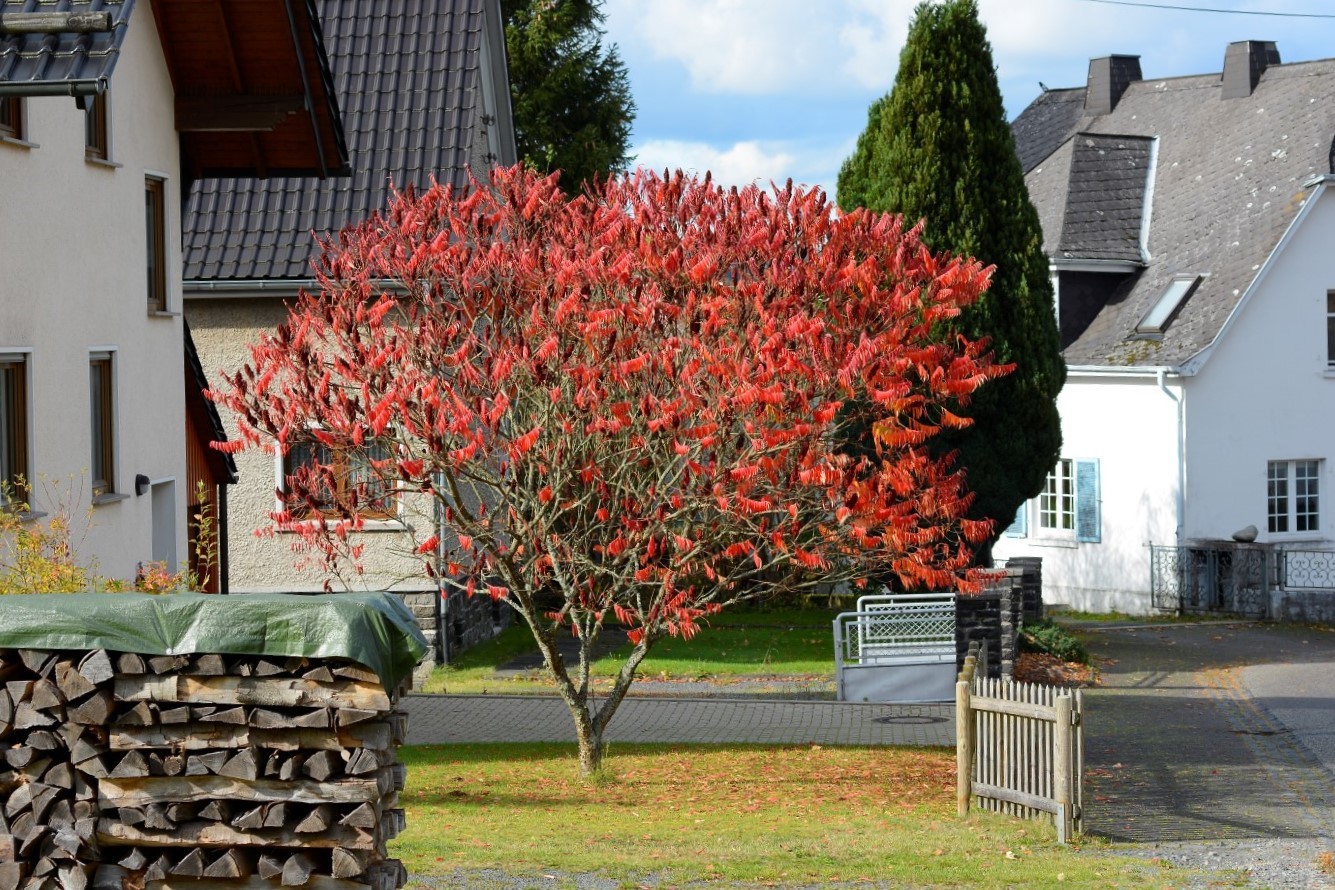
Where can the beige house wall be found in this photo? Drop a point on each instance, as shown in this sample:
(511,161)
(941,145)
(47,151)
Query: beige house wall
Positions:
(262,559)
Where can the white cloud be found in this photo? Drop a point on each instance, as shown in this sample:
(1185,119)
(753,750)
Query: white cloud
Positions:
(743,163)
(766,47)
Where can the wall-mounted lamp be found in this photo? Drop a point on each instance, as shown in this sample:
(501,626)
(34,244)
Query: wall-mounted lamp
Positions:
(141,484)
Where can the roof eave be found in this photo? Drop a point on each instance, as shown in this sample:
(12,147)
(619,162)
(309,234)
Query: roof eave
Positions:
(1319,184)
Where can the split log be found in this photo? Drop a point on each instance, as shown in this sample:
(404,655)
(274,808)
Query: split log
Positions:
(291,767)
(60,775)
(158,868)
(319,819)
(241,766)
(235,690)
(112,832)
(353,671)
(231,864)
(319,674)
(269,866)
(163,664)
(27,717)
(191,866)
(207,763)
(155,818)
(363,816)
(39,661)
(135,861)
(44,740)
(346,863)
(235,716)
(322,764)
(95,667)
(141,792)
(130,663)
(251,820)
(209,664)
(275,815)
(95,710)
(217,811)
(255,882)
(73,685)
(174,715)
(130,815)
(297,870)
(132,764)
(46,695)
(139,715)
(11,875)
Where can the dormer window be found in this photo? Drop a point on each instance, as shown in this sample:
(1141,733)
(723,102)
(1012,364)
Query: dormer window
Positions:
(1167,305)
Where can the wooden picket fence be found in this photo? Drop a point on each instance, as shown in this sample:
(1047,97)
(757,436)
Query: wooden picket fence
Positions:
(1020,749)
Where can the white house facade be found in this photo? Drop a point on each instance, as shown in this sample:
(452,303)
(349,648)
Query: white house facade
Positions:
(1189,227)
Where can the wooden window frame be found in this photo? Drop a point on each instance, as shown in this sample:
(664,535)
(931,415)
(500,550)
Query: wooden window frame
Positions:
(155,229)
(12,121)
(14,473)
(96,130)
(342,462)
(102,424)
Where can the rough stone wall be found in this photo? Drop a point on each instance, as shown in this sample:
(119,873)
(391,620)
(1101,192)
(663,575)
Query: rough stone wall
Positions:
(992,618)
(1030,572)
(465,621)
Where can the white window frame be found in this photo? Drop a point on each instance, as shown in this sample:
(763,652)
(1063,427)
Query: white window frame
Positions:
(1287,482)
(1056,504)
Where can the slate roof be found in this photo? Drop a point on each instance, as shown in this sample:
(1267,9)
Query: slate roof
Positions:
(62,64)
(407,81)
(1105,197)
(1228,180)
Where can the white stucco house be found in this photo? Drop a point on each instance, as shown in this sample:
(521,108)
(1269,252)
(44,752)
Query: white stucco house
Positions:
(1190,228)
(104,120)
(424,92)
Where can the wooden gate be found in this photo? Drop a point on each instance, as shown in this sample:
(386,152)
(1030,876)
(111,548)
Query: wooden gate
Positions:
(1020,749)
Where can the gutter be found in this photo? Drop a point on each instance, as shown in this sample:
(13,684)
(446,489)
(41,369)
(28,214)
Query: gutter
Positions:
(1161,378)
(1121,370)
(92,87)
(244,286)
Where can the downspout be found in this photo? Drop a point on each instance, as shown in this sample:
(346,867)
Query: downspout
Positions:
(442,589)
(1161,378)
(224,582)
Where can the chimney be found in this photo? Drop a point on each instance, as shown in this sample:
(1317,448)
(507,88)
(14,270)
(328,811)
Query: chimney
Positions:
(1244,63)
(1109,77)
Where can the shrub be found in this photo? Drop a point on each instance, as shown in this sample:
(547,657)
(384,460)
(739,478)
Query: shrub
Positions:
(1048,638)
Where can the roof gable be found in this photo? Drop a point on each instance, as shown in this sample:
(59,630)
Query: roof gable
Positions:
(227,61)
(1228,180)
(409,82)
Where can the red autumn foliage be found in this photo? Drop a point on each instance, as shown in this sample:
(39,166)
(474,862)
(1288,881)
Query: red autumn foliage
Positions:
(631,402)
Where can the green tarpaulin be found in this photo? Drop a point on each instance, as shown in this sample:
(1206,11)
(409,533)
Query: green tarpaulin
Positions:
(373,629)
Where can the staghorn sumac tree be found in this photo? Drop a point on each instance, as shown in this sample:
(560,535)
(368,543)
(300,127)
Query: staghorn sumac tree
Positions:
(628,403)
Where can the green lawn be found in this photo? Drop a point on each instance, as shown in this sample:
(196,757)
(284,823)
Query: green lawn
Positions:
(731,816)
(737,644)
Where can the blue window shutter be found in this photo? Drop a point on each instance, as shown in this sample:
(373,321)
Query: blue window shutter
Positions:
(1019,528)
(1088,521)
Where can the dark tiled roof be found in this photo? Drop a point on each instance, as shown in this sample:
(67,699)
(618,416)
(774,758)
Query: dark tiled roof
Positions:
(407,80)
(1047,123)
(1105,200)
(70,64)
(1228,180)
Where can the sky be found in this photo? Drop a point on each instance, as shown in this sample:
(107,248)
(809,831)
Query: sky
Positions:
(767,90)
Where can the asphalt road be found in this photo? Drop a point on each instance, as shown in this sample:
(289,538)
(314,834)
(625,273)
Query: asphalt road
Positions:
(1302,697)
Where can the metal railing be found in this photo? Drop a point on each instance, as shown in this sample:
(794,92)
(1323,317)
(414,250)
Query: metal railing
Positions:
(896,647)
(1305,569)
(1204,579)
(1020,749)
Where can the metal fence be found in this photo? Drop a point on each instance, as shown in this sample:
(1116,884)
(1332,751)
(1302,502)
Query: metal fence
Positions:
(896,647)
(1020,749)
(1199,579)
(1305,569)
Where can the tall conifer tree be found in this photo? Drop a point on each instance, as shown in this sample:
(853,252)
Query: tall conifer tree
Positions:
(938,148)
(571,96)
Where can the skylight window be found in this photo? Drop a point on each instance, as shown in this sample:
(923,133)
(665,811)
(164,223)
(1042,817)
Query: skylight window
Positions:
(1176,293)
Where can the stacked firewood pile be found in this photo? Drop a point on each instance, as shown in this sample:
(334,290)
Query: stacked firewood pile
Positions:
(121,771)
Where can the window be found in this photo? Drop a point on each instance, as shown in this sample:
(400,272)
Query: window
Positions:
(96,145)
(1167,305)
(11,117)
(13,429)
(1056,505)
(344,475)
(155,223)
(1330,328)
(1068,507)
(1293,496)
(102,424)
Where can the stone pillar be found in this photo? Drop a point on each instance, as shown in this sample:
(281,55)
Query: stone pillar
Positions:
(1031,577)
(978,619)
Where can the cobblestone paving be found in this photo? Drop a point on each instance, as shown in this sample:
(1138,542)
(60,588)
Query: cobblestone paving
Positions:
(437,719)
(1176,750)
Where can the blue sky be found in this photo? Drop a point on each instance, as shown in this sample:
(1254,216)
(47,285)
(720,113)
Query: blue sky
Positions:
(771,89)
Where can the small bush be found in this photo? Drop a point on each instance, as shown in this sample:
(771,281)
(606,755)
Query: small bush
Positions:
(1052,639)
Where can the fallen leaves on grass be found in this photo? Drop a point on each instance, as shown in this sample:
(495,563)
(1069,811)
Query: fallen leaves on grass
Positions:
(1034,667)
